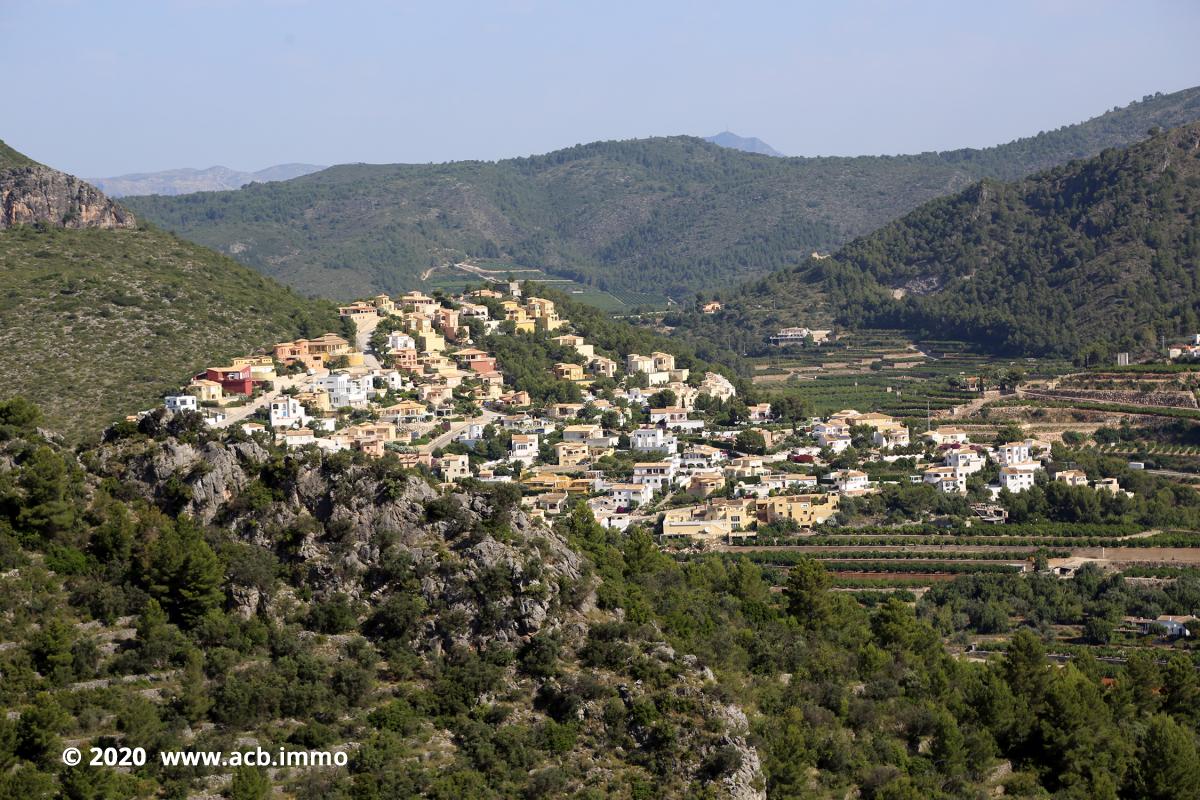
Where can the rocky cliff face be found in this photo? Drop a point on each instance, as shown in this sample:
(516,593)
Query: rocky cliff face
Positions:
(33,194)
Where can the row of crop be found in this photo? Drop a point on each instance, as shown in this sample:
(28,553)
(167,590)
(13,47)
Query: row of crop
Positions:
(1140,571)
(1088,405)
(1060,529)
(885,562)
(896,581)
(773,556)
(1166,539)
(932,567)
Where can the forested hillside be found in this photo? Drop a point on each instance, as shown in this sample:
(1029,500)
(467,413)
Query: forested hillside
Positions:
(179,587)
(98,323)
(1093,257)
(668,216)
(100,316)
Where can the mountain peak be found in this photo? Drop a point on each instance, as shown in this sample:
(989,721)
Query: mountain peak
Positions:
(747,144)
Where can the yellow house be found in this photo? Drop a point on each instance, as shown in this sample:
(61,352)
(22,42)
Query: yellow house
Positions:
(703,484)
(569,454)
(547,482)
(516,315)
(568,372)
(358,310)
(728,519)
(384,304)
(206,391)
(431,342)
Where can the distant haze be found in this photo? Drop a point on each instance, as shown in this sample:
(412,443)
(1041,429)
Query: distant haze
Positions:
(186,180)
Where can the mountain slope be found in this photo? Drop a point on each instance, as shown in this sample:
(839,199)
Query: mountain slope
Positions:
(99,318)
(10,158)
(1096,256)
(99,323)
(183,181)
(667,215)
(747,144)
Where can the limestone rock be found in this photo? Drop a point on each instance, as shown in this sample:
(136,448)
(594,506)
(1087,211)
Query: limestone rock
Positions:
(39,194)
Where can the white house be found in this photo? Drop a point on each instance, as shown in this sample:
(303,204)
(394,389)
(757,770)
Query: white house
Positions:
(627,495)
(214,417)
(1017,477)
(941,436)
(968,462)
(701,456)
(837,442)
(287,412)
(345,390)
(297,437)
(471,434)
(946,479)
(656,474)
(830,428)
(524,448)
(760,412)
(653,440)
(394,379)
(581,433)
(675,418)
(891,437)
(181,402)
(401,341)
(850,481)
(1013,453)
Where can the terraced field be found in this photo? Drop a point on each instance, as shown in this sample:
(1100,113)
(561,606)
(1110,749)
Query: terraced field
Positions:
(913,560)
(884,371)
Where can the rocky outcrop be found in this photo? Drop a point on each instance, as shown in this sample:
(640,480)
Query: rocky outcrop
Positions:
(37,194)
(436,575)
(349,525)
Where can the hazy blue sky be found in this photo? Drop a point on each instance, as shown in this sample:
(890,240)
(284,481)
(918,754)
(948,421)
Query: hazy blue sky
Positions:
(101,88)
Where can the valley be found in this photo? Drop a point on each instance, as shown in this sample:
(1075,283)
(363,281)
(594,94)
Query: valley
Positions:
(659,467)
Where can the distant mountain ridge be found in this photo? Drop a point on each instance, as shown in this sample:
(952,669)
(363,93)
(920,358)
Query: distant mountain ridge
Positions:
(747,144)
(186,180)
(1087,259)
(669,216)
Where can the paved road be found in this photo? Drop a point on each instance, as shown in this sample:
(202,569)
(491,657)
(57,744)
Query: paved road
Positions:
(455,429)
(239,414)
(365,329)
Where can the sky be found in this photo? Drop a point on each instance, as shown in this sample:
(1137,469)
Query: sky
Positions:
(106,87)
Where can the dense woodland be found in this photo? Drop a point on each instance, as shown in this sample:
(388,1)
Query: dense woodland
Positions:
(666,216)
(108,577)
(1080,261)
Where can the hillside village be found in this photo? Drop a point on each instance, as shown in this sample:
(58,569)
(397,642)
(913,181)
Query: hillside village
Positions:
(646,442)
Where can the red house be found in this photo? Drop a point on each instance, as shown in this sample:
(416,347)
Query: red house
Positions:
(233,380)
